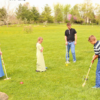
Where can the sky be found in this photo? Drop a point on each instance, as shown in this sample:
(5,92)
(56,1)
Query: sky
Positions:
(50,2)
(41,3)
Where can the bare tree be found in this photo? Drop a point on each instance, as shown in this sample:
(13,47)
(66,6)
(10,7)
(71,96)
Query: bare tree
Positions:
(27,4)
(6,4)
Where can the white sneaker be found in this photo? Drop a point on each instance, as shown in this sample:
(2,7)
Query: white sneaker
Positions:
(67,62)
(74,61)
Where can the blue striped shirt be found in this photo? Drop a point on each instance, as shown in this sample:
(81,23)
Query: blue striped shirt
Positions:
(97,48)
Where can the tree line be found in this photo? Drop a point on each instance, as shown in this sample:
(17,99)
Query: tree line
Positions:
(85,13)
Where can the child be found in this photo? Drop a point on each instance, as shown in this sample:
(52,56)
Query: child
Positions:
(92,39)
(1,69)
(39,54)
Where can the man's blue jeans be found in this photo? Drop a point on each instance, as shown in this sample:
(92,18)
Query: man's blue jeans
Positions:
(72,46)
(98,74)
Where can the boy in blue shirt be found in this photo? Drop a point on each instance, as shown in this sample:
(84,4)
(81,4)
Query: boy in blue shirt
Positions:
(92,39)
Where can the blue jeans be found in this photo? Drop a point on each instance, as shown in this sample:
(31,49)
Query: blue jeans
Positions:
(72,46)
(98,74)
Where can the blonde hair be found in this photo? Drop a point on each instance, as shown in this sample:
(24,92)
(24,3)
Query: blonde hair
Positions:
(91,38)
(40,38)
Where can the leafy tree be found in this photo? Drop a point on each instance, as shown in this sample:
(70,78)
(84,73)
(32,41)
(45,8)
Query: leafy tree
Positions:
(58,13)
(66,11)
(75,10)
(97,10)
(19,11)
(26,13)
(23,13)
(46,15)
(35,14)
(76,17)
(87,11)
(3,14)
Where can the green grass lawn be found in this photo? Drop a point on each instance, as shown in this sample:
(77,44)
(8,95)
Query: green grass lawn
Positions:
(58,82)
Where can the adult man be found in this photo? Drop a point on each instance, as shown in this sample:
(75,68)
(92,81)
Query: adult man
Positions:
(71,41)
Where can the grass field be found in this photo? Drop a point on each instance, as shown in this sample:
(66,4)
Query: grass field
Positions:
(58,82)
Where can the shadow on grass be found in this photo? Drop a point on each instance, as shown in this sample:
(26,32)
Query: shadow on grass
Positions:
(2,78)
(79,58)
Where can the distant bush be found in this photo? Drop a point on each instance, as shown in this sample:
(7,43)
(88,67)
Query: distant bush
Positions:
(79,21)
(89,23)
(67,21)
(28,29)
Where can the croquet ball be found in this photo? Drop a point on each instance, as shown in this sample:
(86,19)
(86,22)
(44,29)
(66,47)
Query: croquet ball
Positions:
(66,64)
(21,82)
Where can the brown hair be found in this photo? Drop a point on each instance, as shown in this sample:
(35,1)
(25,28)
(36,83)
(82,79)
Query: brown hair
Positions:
(68,24)
(92,38)
(40,38)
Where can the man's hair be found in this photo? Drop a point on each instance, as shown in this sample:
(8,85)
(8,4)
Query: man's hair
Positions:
(92,38)
(68,24)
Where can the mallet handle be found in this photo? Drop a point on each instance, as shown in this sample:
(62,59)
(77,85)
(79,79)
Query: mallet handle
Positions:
(88,70)
(87,75)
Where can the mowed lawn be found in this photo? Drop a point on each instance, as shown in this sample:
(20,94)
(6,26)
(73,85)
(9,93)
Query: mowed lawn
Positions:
(59,82)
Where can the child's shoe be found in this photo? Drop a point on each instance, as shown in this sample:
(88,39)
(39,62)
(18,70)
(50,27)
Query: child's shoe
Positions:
(94,87)
(37,71)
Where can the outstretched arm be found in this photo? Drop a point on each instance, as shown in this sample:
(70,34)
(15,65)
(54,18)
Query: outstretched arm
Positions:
(94,57)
